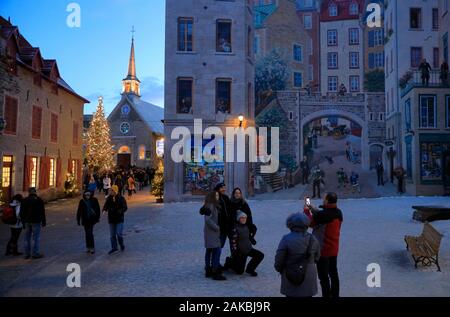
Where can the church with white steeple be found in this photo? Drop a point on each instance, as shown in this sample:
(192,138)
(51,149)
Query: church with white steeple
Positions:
(136,125)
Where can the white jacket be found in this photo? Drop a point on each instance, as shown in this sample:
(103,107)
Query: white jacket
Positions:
(18,224)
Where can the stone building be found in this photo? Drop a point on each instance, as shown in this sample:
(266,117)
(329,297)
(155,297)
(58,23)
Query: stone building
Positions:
(444,28)
(42,140)
(341,38)
(136,125)
(411,35)
(424,134)
(373,41)
(365,111)
(309,14)
(278,27)
(209,75)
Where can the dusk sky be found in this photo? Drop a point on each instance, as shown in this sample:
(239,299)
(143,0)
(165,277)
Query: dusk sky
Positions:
(93,59)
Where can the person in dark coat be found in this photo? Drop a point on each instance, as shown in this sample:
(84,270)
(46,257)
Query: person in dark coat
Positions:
(16,229)
(317,176)
(32,214)
(291,250)
(88,214)
(444,73)
(327,228)
(211,230)
(380,171)
(425,69)
(304,166)
(115,206)
(226,218)
(400,174)
(238,203)
(242,248)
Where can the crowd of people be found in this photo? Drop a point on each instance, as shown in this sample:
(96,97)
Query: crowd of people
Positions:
(128,182)
(301,257)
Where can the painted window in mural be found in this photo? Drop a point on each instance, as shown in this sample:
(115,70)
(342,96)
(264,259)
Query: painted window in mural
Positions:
(223,95)
(201,177)
(431,160)
(223,36)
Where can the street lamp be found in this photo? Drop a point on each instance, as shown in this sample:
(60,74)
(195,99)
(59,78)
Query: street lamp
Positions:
(241,120)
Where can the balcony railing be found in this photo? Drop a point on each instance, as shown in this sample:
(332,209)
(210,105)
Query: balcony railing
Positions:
(416,81)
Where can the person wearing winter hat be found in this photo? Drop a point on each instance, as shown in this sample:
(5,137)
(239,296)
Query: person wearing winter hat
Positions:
(115,206)
(292,250)
(242,247)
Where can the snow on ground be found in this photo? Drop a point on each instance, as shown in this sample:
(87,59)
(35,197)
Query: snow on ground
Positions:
(164,255)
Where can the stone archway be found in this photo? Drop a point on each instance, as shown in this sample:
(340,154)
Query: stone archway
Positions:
(365,163)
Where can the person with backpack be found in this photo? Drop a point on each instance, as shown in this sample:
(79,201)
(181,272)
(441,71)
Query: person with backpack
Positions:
(327,228)
(296,258)
(88,214)
(11,216)
(242,248)
(32,214)
(212,234)
(115,206)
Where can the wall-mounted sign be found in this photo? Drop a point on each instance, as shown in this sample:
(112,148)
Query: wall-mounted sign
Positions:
(160,148)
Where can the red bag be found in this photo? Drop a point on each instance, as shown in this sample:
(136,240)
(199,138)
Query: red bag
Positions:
(9,216)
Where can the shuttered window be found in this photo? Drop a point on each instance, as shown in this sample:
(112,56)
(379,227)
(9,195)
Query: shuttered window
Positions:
(11,110)
(54,128)
(36,123)
(75,133)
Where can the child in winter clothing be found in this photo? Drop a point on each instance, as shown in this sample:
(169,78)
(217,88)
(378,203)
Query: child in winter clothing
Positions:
(242,248)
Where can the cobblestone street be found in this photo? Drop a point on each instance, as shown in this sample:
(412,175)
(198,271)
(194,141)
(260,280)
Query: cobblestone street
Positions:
(164,252)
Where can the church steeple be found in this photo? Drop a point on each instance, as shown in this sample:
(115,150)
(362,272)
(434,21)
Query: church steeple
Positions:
(130,85)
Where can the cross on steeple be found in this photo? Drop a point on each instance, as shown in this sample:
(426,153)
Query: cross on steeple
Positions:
(132,32)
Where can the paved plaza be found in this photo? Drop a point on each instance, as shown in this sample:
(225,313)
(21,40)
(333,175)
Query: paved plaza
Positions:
(164,252)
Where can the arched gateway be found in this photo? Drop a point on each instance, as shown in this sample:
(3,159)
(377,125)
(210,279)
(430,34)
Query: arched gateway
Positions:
(357,115)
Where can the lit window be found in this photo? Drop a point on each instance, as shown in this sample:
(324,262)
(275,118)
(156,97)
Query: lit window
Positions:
(34,166)
(52,176)
(142,152)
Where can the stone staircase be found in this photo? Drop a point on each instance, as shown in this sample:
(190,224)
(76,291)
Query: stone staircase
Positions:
(274,182)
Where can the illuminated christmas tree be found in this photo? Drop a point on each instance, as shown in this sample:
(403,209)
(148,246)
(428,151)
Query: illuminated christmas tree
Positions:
(158,183)
(99,150)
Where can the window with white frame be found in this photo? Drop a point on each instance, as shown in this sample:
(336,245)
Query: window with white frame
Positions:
(332,60)
(427,108)
(307,21)
(332,10)
(354,9)
(354,59)
(379,59)
(332,83)
(297,52)
(353,36)
(332,37)
(354,83)
(378,38)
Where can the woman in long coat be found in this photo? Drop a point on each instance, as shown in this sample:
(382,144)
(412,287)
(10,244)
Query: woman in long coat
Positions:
(291,250)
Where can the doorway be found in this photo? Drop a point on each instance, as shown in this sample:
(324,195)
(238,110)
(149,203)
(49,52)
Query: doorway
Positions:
(7,173)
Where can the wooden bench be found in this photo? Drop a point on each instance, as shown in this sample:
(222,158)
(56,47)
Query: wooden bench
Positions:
(425,248)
